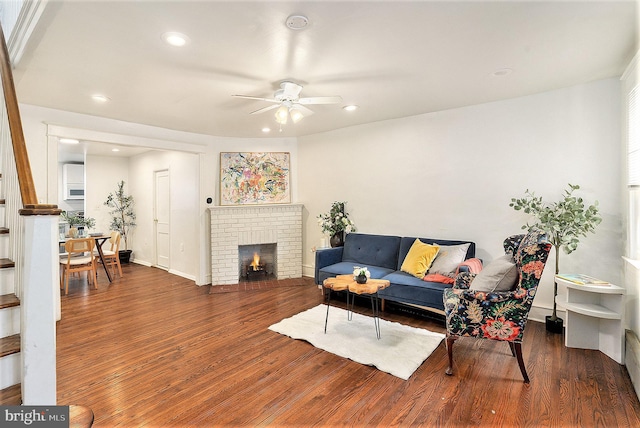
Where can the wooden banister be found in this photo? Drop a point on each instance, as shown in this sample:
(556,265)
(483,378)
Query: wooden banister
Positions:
(23,167)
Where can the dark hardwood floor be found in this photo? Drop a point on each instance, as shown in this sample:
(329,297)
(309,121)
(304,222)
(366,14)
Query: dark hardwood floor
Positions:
(154,350)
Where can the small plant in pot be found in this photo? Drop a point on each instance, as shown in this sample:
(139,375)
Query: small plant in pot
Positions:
(77,223)
(123,217)
(564,221)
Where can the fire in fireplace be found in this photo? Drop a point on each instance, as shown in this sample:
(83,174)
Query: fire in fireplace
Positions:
(257,262)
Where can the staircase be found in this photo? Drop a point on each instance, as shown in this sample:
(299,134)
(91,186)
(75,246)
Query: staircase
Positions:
(29,289)
(9,322)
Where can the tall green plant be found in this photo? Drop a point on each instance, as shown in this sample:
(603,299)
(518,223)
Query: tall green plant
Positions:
(123,216)
(564,221)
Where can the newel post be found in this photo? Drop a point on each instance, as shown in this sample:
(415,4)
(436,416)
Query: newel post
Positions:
(40,304)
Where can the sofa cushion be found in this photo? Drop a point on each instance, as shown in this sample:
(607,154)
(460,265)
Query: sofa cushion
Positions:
(499,275)
(346,268)
(406,288)
(448,258)
(371,250)
(419,258)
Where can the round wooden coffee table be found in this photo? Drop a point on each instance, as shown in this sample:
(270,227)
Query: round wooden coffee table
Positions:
(346,282)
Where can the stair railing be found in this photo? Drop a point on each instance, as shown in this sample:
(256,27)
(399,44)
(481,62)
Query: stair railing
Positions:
(33,230)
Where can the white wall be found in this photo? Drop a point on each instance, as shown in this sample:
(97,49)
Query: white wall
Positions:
(102,175)
(452,174)
(184,187)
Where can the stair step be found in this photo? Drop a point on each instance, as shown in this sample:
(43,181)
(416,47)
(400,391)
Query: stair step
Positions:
(6,263)
(9,300)
(4,230)
(3,201)
(11,396)
(9,345)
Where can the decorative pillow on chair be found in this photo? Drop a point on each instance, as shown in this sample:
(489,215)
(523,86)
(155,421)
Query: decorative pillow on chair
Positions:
(449,257)
(419,258)
(499,275)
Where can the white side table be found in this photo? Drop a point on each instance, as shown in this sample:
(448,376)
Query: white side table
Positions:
(595,318)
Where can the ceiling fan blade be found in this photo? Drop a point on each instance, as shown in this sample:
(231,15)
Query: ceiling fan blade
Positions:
(302,109)
(291,90)
(248,97)
(320,100)
(262,110)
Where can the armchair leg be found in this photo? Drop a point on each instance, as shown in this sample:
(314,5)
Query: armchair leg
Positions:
(450,340)
(523,370)
(513,348)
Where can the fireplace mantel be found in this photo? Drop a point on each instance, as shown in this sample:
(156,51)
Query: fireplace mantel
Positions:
(255,224)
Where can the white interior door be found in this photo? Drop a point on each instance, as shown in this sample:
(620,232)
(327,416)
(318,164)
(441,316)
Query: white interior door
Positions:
(162,209)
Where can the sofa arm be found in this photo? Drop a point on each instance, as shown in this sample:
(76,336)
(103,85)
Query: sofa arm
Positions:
(327,257)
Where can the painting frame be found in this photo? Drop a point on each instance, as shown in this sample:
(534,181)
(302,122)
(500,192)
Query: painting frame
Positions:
(255,178)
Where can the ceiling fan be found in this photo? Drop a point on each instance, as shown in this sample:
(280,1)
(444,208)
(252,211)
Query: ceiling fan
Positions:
(287,101)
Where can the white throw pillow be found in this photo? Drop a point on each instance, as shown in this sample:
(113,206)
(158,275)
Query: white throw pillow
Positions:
(499,275)
(448,258)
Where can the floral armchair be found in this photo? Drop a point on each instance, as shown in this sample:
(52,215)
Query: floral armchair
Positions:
(498,315)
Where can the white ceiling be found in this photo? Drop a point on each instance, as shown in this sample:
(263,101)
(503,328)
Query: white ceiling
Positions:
(393,58)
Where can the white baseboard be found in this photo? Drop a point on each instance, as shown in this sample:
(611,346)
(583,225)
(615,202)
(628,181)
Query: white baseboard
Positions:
(171,271)
(538,313)
(182,274)
(632,359)
(308,270)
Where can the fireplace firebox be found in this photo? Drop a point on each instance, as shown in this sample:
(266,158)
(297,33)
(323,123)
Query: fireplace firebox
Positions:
(257,262)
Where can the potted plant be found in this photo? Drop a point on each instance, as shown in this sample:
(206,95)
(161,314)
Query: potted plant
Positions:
(335,223)
(75,222)
(564,221)
(123,217)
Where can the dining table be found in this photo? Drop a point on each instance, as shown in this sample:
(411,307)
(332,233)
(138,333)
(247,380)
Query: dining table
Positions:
(100,239)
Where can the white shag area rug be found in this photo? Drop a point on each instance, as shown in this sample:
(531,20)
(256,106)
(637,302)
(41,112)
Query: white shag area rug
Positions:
(400,350)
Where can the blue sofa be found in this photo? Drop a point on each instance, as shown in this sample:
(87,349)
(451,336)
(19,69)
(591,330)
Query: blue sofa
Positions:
(383,256)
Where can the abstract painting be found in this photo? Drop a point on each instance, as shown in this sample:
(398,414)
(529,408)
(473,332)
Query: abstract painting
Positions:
(254,178)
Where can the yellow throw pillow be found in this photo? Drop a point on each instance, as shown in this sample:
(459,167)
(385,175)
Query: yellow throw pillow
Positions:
(419,258)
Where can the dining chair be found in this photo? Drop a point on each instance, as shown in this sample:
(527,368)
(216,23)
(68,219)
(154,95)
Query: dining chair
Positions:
(79,258)
(111,256)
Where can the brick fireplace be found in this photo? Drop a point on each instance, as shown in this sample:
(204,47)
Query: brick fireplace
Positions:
(233,227)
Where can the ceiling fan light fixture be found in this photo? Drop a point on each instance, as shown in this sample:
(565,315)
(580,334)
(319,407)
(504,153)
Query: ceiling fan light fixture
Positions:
(296,115)
(282,114)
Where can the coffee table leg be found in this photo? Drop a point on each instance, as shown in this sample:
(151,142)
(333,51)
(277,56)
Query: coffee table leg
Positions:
(328,304)
(374,309)
(350,308)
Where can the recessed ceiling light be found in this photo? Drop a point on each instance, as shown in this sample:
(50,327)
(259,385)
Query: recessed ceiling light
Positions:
(350,107)
(115,150)
(266,130)
(502,72)
(100,98)
(175,39)
(297,22)
(68,141)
